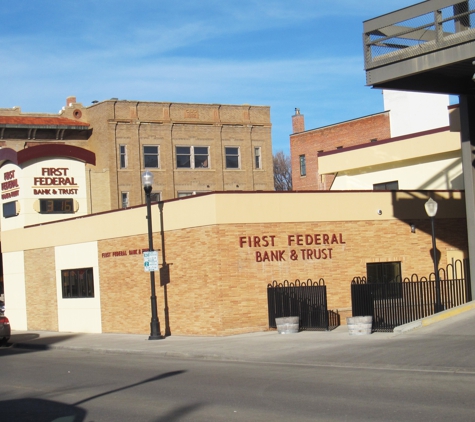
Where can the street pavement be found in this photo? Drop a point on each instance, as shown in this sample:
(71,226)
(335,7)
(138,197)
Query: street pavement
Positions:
(443,342)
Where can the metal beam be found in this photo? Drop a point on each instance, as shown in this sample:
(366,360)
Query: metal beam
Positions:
(467,109)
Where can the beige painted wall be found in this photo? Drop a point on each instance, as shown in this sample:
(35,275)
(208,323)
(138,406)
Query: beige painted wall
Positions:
(415,147)
(225,248)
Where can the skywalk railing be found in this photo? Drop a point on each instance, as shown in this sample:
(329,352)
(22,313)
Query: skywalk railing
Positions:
(416,30)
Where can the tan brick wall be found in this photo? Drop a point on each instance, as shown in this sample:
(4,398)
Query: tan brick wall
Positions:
(218,287)
(167,125)
(346,134)
(40,286)
(135,124)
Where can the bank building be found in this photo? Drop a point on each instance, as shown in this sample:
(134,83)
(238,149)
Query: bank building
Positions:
(75,238)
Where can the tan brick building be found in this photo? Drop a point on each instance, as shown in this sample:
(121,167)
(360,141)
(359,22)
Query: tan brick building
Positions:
(223,250)
(190,148)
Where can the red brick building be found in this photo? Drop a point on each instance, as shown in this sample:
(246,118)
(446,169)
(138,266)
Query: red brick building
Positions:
(305,145)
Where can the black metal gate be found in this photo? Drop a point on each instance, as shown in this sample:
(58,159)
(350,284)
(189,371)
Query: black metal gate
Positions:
(410,299)
(307,300)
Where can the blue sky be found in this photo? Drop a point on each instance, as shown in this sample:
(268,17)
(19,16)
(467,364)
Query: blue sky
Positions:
(281,53)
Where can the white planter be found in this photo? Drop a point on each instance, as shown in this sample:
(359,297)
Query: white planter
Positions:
(360,325)
(287,325)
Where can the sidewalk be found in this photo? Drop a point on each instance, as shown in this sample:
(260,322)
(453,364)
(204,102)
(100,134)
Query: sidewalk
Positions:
(335,347)
(269,345)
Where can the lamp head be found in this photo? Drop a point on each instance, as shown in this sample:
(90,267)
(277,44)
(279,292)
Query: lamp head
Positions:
(431,207)
(147,179)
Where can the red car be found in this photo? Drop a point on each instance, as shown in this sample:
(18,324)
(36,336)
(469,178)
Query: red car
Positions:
(4,329)
(4,325)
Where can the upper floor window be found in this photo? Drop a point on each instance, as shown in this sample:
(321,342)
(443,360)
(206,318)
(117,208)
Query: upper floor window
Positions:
(155,196)
(386,186)
(182,194)
(125,199)
(150,156)
(232,157)
(303,166)
(192,157)
(123,156)
(257,158)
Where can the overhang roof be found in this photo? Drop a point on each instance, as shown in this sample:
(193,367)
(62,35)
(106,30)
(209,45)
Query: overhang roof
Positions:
(427,47)
(29,122)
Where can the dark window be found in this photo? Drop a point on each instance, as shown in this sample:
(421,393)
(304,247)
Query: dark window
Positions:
(10,209)
(232,157)
(123,156)
(303,166)
(192,157)
(386,186)
(125,199)
(257,158)
(150,156)
(201,157)
(183,157)
(155,197)
(77,283)
(388,276)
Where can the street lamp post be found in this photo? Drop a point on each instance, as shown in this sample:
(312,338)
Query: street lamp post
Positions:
(431,210)
(147,182)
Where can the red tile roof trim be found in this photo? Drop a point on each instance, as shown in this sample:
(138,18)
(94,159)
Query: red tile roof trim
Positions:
(40,121)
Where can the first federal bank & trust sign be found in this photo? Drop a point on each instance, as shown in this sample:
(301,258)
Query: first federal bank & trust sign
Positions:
(298,246)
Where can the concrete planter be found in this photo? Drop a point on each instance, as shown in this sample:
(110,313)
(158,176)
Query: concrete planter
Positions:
(287,325)
(360,325)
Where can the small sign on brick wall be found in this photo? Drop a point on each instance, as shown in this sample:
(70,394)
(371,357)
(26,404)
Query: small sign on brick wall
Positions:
(150,261)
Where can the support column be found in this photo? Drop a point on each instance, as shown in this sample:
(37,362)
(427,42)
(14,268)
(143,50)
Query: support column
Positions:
(467,135)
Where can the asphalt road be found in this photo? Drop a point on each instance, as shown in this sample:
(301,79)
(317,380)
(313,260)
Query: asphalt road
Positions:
(48,385)
(427,374)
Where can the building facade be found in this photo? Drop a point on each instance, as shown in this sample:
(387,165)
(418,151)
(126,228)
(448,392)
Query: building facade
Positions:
(222,249)
(190,148)
(407,114)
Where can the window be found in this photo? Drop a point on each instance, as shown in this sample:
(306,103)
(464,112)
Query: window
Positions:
(257,158)
(183,194)
(232,157)
(125,199)
(10,209)
(388,275)
(386,186)
(303,166)
(192,157)
(150,156)
(155,196)
(77,283)
(123,156)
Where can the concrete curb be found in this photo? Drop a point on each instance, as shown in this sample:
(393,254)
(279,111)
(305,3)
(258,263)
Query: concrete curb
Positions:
(424,322)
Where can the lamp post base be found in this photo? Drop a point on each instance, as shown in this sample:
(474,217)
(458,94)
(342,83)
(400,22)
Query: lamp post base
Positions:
(157,337)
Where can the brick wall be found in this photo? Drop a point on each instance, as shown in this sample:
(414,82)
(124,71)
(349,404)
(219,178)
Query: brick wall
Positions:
(168,125)
(346,134)
(40,288)
(218,282)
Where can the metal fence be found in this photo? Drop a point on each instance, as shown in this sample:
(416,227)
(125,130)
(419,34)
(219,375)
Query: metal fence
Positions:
(410,299)
(307,300)
(416,30)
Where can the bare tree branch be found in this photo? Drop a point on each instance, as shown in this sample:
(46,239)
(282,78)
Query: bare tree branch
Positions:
(282,172)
